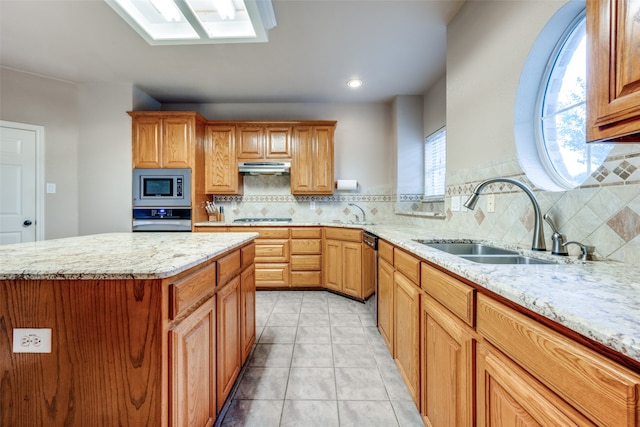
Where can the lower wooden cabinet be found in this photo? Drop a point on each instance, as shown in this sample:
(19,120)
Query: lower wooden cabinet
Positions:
(228,343)
(385,302)
(447,361)
(192,372)
(406,333)
(247,310)
(343,262)
(508,397)
(306,257)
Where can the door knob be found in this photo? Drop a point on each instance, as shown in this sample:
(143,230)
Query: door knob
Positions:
(27,223)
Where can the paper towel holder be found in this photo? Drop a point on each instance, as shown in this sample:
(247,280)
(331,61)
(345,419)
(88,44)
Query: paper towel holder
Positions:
(347,185)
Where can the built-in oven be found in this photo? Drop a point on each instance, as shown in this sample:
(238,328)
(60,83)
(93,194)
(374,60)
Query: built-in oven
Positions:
(161,200)
(370,253)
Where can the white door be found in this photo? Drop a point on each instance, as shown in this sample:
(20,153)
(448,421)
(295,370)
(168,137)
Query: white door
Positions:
(19,149)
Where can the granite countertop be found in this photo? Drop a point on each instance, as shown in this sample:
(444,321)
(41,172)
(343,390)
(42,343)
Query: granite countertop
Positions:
(597,299)
(114,255)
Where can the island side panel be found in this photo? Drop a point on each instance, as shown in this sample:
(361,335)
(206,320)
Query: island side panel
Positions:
(106,360)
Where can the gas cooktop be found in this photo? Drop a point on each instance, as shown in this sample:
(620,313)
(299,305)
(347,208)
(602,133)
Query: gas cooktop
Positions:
(262,220)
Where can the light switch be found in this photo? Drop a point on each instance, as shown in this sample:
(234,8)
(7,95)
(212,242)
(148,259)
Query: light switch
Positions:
(455,203)
(491,203)
(51,187)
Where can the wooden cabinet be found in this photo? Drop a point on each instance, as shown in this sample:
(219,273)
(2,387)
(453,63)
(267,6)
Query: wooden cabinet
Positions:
(306,257)
(221,165)
(570,377)
(247,301)
(613,79)
(406,332)
(385,302)
(342,263)
(228,344)
(262,141)
(165,139)
(447,351)
(312,163)
(192,370)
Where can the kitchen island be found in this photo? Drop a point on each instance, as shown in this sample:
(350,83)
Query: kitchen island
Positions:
(144,328)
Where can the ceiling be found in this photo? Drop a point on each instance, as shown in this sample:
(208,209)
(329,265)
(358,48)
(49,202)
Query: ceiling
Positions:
(396,47)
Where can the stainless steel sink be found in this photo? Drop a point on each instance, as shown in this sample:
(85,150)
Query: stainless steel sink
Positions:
(465,248)
(481,253)
(504,259)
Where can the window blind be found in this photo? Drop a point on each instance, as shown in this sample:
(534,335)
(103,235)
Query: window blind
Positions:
(435,164)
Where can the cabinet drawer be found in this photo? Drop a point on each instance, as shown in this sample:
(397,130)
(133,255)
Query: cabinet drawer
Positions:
(306,262)
(407,264)
(344,234)
(306,246)
(272,251)
(228,266)
(303,279)
(453,294)
(248,255)
(272,274)
(190,288)
(603,391)
(385,251)
(273,233)
(306,233)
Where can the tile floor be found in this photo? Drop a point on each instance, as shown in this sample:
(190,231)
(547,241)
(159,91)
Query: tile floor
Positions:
(319,360)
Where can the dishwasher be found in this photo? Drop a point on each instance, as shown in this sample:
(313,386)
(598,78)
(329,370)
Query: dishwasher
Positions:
(370,257)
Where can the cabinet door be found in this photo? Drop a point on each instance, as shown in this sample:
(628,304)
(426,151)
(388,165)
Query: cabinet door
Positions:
(406,333)
(278,142)
(192,368)
(323,160)
(250,140)
(508,397)
(177,140)
(352,269)
(332,272)
(385,302)
(221,166)
(247,310)
(446,367)
(146,141)
(613,89)
(302,161)
(228,344)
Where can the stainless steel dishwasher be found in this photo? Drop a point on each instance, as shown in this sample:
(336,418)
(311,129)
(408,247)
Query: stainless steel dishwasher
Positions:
(370,253)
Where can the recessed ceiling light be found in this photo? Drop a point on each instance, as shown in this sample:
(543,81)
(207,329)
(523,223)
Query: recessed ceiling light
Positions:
(353,83)
(197,21)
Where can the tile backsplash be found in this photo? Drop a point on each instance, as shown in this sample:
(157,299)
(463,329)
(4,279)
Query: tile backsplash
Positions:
(604,212)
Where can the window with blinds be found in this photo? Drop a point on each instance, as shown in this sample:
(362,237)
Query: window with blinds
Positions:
(435,164)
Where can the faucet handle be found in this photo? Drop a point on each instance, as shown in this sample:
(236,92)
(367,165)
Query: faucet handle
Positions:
(558,239)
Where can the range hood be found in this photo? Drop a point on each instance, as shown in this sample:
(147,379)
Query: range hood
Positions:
(264,168)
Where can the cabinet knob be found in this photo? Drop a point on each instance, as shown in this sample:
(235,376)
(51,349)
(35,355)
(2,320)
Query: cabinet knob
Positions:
(27,223)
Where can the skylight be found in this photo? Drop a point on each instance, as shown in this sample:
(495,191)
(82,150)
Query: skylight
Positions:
(197,21)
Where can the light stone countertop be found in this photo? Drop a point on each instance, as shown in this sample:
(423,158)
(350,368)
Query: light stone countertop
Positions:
(597,299)
(114,255)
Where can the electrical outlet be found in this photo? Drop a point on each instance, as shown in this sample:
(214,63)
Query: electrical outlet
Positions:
(491,203)
(455,203)
(312,205)
(28,340)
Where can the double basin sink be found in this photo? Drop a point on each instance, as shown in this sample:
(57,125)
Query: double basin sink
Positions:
(482,253)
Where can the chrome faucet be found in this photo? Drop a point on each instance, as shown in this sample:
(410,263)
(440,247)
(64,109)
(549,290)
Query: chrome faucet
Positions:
(538,232)
(558,245)
(361,210)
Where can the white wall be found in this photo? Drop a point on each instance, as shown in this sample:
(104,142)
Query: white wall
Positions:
(487,46)
(435,107)
(104,171)
(30,99)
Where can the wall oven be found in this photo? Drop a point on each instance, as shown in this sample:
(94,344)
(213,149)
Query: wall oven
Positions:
(161,200)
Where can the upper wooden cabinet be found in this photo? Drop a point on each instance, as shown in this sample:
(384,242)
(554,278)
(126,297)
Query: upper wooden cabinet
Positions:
(165,139)
(220,165)
(262,141)
(613,80)
(312,163)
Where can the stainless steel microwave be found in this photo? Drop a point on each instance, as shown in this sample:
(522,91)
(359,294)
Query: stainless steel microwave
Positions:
(161,188)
